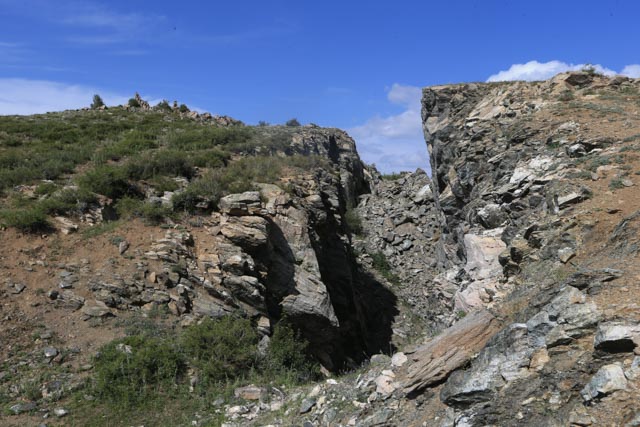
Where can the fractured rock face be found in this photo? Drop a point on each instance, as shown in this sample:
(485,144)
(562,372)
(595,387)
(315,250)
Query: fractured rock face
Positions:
(608,379)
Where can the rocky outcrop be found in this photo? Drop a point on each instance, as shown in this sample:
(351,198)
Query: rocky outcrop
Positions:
(271,253)
(509,192)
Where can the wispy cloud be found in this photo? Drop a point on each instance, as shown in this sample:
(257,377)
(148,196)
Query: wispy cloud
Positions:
(88,22)
(240,37)
(534,70)
(395,143)
(11,53)
(23,96)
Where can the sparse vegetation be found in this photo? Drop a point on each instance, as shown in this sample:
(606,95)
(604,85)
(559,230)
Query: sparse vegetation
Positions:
(616,184)
(133,103)
(354,222)
(391,176)
(119,154)
(97,102)
(152,364)
(381,264)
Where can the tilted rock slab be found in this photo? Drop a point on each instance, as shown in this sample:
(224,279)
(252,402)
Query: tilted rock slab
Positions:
(433,362)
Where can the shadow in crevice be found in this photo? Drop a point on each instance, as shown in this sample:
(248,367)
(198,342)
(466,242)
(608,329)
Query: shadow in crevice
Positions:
(365,309)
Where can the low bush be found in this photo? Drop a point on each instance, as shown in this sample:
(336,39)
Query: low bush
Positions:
(153,213)
(108,180)
(31,220)
(160,163)
(222,350)
(354,222)
(287,359)
(381,264)
(129,370)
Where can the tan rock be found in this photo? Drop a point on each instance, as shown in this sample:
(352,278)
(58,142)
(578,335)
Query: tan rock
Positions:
(433,362)
(539,358)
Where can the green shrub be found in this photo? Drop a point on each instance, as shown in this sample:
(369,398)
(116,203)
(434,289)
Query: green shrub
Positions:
(224,349)
(183,108)
(160,163)
(162,183)
(566,95)
(66,201)
(97,102)
(354,222)
(110,181)
(292,123)
(129,370)
(287,358)
(163,106)
(154,213)
(129,207)
(133,103)
(391,176)
(31,220)
(45,189)
(213,158)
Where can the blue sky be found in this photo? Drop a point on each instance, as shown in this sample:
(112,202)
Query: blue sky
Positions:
(357,65)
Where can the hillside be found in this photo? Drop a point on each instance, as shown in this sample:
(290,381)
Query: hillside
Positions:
(163,267)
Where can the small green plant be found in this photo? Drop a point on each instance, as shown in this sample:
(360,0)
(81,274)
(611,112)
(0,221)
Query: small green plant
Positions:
(129,370)
(292,123)
(287,358)
(354,222)
(460,314)
(616,184)
(163,106)
(183,108)
(566,95)
(381,264)
(133,103)
(97,102)
(223,349)
(108,180)
(30,219)
(590,69)
(391,176)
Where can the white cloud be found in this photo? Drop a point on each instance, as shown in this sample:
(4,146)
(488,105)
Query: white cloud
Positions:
(632,71)
(22,96)
(534,70)
(395,143)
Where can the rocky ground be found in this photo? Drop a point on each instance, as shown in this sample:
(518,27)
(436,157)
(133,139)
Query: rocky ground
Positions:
(501,291)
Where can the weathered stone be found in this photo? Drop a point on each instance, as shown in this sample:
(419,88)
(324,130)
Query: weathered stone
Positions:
(250,392)
(122,247)
(65,225)
(608,379)
(246,203)
(385,383)
(398,359)
(98,309)
(434,362)
(50,352)
(616,337)
(249,232)
(307,405)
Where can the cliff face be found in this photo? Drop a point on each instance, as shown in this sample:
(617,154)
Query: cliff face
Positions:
(524,175)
